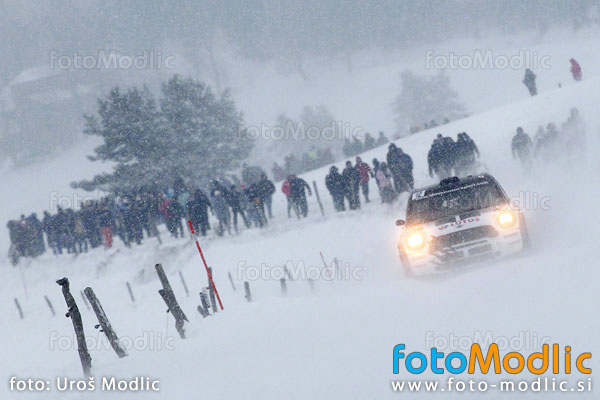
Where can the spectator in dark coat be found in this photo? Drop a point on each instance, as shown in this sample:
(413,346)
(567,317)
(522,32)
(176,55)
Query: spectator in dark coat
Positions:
(197,210)
(336,186)
(352,180)
(298,187)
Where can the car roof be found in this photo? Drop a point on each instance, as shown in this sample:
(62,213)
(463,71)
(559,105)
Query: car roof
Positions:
(450,184)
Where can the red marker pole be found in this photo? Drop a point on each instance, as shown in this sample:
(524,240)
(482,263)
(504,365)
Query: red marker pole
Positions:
(210,278)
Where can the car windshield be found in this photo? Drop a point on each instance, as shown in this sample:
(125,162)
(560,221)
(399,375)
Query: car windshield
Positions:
(424,208)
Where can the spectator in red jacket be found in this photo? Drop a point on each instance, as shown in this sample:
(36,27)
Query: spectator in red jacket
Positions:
(365,173)
(285,188)
(575,69)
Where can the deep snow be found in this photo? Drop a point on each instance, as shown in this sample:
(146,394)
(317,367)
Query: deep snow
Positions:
(335,342)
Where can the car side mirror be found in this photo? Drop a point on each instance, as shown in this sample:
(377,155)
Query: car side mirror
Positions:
(400,222)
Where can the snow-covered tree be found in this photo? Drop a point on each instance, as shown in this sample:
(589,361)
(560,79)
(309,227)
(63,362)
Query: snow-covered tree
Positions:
(315,128)
(426,98)
(194,135)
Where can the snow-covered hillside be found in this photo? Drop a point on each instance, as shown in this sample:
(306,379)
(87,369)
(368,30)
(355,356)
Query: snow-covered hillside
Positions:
(335,341)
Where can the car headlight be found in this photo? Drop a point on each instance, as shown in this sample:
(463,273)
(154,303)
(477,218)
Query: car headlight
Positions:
(506,219)
(415,241)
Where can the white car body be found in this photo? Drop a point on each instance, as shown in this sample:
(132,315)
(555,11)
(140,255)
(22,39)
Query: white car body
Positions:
(468,237)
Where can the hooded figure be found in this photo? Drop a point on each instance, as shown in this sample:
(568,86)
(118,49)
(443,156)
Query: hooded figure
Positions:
(575,69)
(220,207)
(298,187)
(466,152)
(383,176)
(400,165)
(529,81)
(365,174)
(197,209)
(352,181)
(336,185)
(522,148)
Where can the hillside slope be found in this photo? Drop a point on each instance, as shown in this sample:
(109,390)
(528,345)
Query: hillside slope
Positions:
(335,342)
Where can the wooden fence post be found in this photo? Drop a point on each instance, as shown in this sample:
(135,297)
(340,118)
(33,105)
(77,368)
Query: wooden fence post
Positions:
(283,286)
(318,198)
(50,305)
(175,312)
(168,290)
(213,300)
(104,322)
(130,292)
(247,290)
(231,280)
(337,268)
(203,307)
(19,308)
(75,315)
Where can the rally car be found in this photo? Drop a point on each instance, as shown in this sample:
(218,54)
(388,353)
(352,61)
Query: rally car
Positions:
(457,222)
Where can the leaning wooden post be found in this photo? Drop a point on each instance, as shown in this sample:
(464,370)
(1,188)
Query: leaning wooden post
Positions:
(104,322)
(75,315)
(283,286)
(211,292)
(337,268)
(213,301)
(203,307)
(175,312)
(168,290)
(130,292)
(247,290)
(50,306)
(231,280)
(187,292)
(19,308)
(318,198)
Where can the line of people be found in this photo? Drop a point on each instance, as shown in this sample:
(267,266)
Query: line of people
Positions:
(550,144)
(447,157)
(391,177)
(135,215)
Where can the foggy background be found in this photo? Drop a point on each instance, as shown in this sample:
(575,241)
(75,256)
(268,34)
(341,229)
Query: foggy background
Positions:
(42,106)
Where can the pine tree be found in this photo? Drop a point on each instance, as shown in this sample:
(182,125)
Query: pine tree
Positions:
(426,98)
(203,130)
(194,135)
(316,128)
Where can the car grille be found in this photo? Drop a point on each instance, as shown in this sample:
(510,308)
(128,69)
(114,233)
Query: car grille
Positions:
(458,238)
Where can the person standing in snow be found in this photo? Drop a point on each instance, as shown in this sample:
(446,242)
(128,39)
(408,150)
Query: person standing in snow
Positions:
(381,139)
(529,81)
(369,142)
(400,165)
(522,148)
(235,200)
(298,195)
(575,69)
(106,223)
(285,188)
(466,151)
(383,177)
(352,181)
(220,208)
(267,189)
(336,185)
(364,171)
(197,210)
